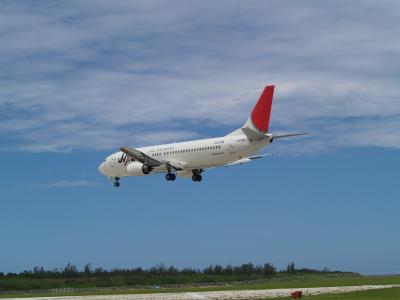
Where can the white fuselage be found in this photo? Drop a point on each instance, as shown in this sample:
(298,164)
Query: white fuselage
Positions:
(190,159)
(192,155)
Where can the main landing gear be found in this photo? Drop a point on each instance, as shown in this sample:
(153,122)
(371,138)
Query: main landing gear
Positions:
(170,176)
(196,175)
(116,182)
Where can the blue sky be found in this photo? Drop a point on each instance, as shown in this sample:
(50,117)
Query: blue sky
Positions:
(78,79)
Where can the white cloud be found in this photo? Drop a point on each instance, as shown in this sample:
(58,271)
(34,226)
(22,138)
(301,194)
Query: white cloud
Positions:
(65,184)
(99,74)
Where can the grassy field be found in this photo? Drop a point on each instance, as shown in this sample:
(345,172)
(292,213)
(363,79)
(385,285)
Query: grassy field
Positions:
(382,294)
(288,282)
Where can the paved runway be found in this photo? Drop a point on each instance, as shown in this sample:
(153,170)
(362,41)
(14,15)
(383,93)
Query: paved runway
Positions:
(222,295)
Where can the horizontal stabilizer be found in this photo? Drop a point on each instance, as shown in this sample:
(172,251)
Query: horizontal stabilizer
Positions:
(281,136)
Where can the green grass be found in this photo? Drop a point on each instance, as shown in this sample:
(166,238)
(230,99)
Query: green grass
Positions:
(381,294)
(81,281)
(276,282)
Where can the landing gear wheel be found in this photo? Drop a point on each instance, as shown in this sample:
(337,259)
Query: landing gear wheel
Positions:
(197,177)
(170,176)
(116,182)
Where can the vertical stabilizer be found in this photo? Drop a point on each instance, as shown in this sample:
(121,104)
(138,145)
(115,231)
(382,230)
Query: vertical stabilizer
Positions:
(261,113)
(262,110)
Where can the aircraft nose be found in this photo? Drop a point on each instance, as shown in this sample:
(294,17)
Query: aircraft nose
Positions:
(102,168)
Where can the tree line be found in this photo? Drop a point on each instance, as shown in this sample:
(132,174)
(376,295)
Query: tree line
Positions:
(71,271)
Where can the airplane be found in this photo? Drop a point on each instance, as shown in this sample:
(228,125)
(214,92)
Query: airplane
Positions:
(192,158)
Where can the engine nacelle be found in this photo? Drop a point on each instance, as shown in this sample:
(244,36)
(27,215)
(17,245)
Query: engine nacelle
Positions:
(134,168)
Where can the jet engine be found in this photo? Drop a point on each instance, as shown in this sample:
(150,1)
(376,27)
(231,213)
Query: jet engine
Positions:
(135,168)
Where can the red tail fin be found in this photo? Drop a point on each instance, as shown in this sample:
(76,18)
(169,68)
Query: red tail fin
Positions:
(262,111)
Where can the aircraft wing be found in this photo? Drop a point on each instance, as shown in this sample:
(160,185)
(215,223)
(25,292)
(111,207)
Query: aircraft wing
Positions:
(175,165)
(247,159)
(140,156)
(145,159)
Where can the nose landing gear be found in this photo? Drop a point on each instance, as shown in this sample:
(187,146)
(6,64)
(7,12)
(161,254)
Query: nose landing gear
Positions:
(116,182)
